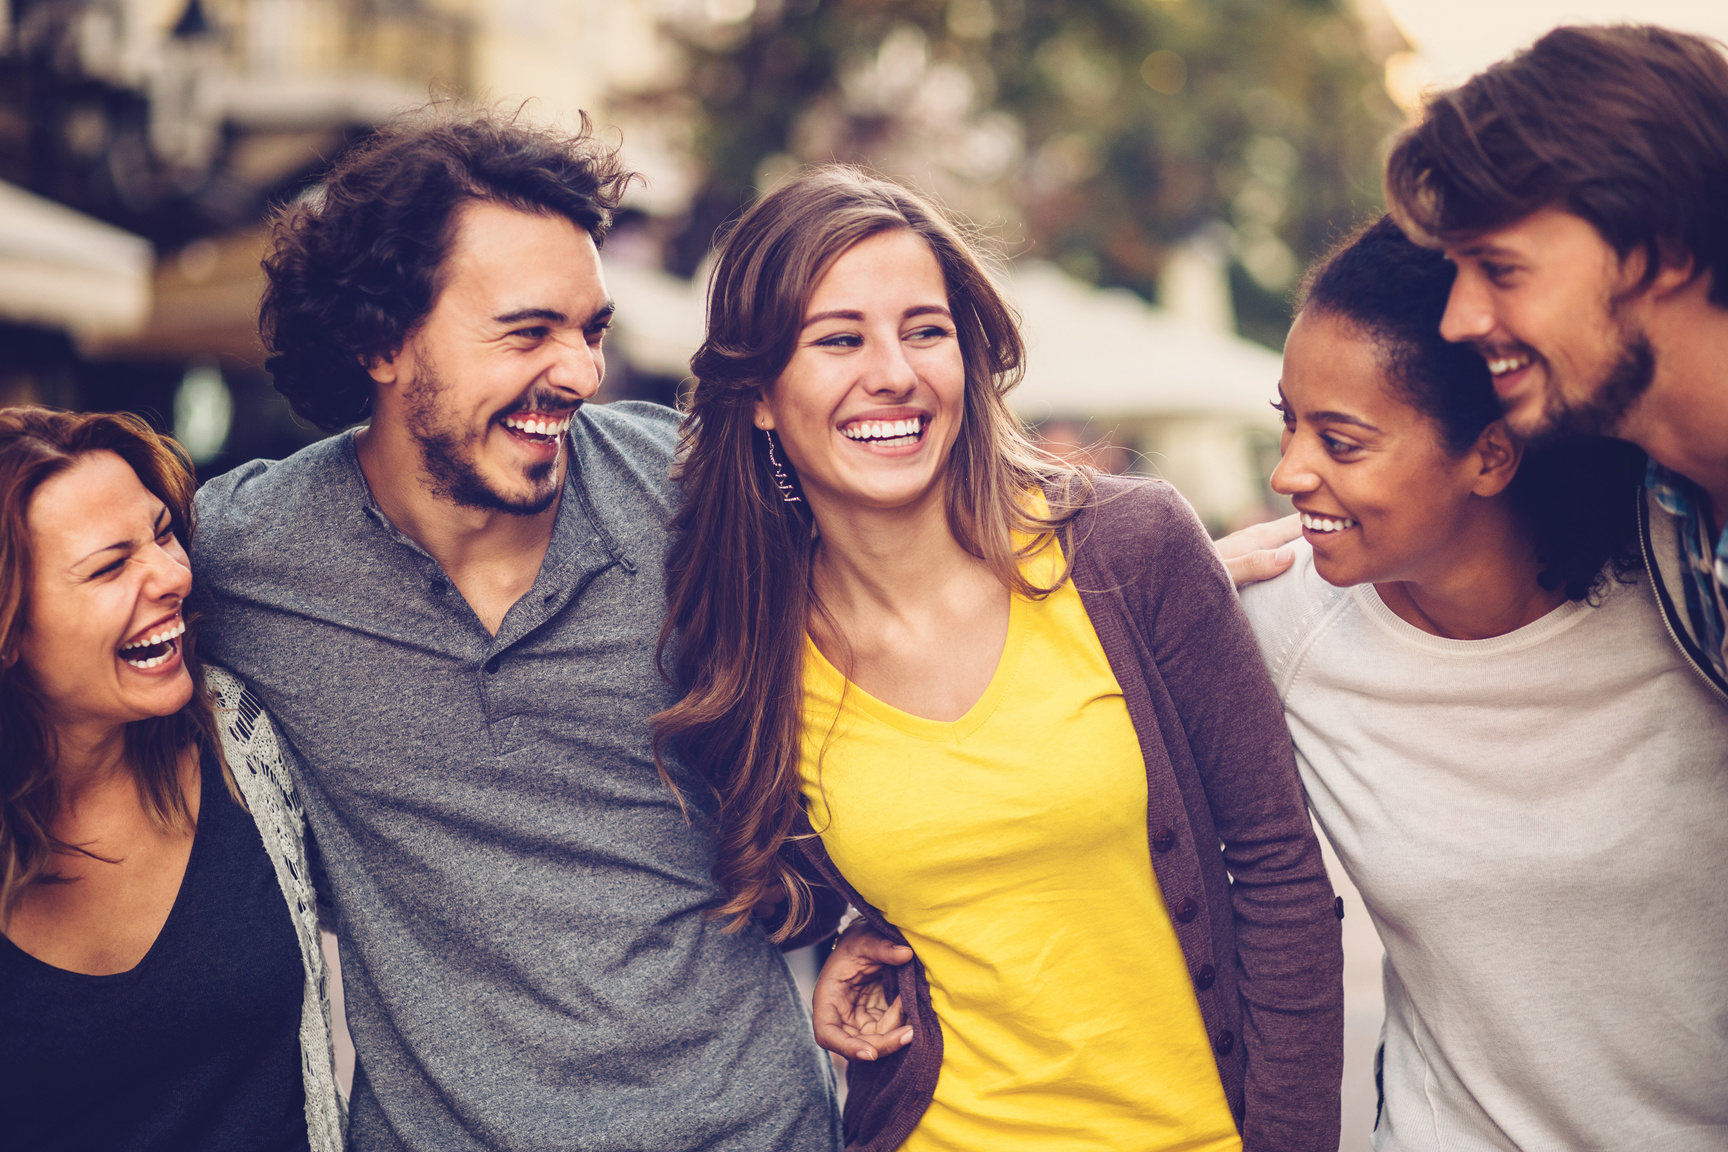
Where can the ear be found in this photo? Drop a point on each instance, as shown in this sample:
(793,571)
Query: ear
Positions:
(1496,456)
(385,369)
(761,415)
(1679,268)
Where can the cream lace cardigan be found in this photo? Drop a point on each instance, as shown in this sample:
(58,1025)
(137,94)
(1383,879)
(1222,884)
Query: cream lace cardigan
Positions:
(260,769)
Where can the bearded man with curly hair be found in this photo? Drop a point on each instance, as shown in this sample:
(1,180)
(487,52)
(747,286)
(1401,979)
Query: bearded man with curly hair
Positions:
(452,611)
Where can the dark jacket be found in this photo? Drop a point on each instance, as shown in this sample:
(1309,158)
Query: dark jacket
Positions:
(1257,920)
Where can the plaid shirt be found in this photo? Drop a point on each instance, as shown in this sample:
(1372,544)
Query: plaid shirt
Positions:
(1707,588)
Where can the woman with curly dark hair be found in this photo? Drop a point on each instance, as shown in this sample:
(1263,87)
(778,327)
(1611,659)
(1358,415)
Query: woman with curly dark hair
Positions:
(161,983)
(1007,709)
(1515,767)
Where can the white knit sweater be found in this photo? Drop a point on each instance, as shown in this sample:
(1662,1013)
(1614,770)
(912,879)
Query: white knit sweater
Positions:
(1538,823)
(249,746)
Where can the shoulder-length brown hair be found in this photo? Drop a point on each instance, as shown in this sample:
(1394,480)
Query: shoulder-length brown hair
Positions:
(738,574)
(35,445)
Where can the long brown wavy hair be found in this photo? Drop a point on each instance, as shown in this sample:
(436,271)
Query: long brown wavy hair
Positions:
(738,575)
(37,444)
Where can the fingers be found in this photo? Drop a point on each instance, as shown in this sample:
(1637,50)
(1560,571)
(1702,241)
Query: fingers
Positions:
(849,1008)
(862,945)
(860,1046)
(1257,566)
(1260,537)
(860,1028)
(887,1045)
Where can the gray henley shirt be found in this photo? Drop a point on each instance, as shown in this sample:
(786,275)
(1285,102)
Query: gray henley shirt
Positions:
(519,899)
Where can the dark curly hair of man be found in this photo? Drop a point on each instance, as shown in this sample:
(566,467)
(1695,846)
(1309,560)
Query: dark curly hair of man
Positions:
(353,267)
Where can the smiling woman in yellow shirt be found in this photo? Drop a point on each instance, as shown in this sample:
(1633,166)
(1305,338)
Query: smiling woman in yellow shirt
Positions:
(1021,876)
(898,702)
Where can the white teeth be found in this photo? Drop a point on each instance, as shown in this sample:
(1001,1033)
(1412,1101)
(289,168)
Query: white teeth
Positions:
(1326,524)
(888,432)
(1505,364)
(175,629)
(535,426)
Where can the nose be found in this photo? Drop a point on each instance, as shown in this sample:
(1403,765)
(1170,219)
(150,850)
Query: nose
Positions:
(1468,315)
(1294,475)
(169,578)
(577,367)
(888,371)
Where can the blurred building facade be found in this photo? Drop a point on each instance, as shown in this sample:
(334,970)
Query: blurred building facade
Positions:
(1191,153)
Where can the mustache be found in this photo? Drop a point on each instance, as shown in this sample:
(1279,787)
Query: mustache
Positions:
(542,399)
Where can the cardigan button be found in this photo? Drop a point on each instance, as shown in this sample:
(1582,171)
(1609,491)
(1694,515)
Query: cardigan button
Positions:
(1205,977)
(1226,1041)
(1186,909)
(1164,840)
(1338,906)
(492,665)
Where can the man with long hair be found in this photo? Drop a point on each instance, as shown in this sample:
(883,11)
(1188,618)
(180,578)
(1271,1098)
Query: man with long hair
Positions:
(452,612)
(1579,187)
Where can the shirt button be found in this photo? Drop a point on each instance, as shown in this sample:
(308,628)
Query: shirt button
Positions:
(1226,1041)
(1186,909)
(439,587)
(1205,977)
(1338,906)
(492,664)
(1164,840)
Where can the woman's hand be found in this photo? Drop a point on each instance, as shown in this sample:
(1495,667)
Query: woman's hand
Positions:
(1257,552)
(850,1007)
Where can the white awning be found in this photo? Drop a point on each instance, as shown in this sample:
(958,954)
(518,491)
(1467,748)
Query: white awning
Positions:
(62,269)
(1094,352)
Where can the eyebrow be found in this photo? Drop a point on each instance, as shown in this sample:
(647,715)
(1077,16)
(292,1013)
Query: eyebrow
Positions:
(127,545)
(1479,250)
(854,314)
(553,316)
(1341,418)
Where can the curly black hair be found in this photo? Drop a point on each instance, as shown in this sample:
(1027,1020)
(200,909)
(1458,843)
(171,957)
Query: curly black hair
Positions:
(353,266)
(1577,496)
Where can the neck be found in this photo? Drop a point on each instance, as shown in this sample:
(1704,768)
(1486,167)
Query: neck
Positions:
(1483,585)
(91,757)
(457,537)
(887,560)
(1682,421)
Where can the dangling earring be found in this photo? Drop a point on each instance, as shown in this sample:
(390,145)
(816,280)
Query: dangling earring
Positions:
(782,480)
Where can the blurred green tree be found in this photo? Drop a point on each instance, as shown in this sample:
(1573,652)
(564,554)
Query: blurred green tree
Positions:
(1100,134)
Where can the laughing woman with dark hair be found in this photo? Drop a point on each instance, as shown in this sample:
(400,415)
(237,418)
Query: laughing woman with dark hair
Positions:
(161,985)
(1517,770)
(1009,711)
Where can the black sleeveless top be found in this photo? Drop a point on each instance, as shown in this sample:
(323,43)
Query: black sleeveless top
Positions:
(195,1049)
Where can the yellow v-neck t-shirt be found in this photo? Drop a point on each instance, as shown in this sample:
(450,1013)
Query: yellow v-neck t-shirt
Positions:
(1010,848)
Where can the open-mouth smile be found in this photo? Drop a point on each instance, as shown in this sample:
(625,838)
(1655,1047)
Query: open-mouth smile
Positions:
(887,433)
(156,647)
(538,427)
(1508,370)
(1326,524)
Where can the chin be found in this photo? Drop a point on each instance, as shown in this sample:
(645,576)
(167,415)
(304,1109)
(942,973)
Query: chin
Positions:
(1336,574)
(1528,420)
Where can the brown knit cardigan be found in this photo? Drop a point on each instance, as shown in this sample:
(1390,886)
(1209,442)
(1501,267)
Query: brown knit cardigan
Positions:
(1231,843)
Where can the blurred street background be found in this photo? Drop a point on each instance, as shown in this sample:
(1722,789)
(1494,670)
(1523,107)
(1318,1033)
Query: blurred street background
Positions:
(1156,174)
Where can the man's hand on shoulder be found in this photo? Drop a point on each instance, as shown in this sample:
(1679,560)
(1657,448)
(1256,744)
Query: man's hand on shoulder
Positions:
(1258,552)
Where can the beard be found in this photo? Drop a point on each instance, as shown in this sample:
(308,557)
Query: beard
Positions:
(1606,407)
(449,456)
